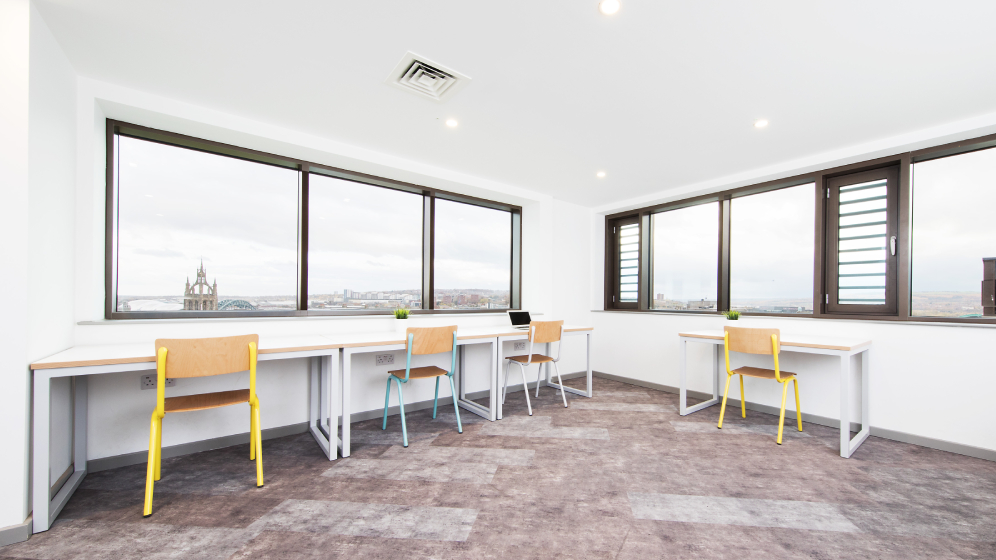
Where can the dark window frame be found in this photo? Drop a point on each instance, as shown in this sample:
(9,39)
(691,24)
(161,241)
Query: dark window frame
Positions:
(820,180)
(305,168)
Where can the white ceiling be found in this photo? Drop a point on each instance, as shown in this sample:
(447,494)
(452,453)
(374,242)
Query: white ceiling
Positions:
(661,95)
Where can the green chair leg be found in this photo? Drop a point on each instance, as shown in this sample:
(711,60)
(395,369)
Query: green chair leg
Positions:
(401,404)
(456,405)
(387,400)
(435,400)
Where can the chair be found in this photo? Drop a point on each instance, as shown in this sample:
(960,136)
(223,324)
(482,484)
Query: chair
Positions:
(540,332)
(419,341)
(758,341)
(201,357)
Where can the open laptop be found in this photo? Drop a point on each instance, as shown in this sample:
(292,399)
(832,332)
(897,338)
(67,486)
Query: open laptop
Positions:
(520,319)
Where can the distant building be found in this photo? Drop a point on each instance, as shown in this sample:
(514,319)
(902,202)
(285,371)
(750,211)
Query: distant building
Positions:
(702,304)
(200,296)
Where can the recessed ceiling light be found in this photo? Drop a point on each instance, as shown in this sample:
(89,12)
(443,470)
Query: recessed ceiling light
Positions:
(600,174)
(451,123)
(760,123)
(608,7)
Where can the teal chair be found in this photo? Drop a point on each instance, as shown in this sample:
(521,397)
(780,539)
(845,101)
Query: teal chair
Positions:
(418,341)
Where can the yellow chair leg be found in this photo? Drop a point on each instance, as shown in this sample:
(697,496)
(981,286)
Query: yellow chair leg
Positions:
(781,416)
(722,409)
(252,433)
(159,449)
(259,448)
(150,473)
(743,403)
(798,410)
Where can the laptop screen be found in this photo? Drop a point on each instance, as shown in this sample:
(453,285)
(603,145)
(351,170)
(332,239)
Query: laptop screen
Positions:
(519,318)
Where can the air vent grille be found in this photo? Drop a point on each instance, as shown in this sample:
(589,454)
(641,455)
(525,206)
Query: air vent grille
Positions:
(426,78)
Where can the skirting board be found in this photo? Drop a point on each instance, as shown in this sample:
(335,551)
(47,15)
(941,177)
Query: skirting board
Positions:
(16,533)
(140,457)
(922,441)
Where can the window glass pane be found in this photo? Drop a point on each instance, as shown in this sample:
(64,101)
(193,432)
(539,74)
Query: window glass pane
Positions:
(953,231)
(771,251)
(685,258)
(199,231)
(862,236)
(473,256)
(629,262)
(364,247)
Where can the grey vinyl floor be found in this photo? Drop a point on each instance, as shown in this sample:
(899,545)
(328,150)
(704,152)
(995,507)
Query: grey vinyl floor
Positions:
(617,476)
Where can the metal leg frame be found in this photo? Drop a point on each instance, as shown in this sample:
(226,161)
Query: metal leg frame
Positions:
(323,414)
(847,444)
(683,408)
(45,510)
(489,412)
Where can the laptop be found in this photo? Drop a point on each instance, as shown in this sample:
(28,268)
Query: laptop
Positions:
(520,319)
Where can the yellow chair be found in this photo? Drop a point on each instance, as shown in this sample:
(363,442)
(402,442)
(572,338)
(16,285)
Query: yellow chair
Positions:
(201,357)
(758,341)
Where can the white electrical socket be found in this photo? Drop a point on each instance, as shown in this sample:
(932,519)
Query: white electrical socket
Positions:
(384,359)
(150,381)
(517,346)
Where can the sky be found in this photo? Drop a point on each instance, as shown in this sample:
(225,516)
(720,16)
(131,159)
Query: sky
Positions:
(178,206)
(953,221)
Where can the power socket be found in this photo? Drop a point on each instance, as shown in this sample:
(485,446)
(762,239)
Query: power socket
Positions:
(384,359)
(519,346)
(150,381)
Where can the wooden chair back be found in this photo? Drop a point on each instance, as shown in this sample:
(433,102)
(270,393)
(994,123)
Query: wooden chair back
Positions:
(430,340)
(201,357)
(752,341)
(545,331)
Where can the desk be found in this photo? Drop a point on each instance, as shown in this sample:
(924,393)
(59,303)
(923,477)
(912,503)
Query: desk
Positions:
(81,361)
(843,348)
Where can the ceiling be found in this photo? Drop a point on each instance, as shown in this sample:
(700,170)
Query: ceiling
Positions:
(661,95)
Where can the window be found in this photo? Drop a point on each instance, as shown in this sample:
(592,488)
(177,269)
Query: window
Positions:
(953,233)
(771,251)
(685,266)
(622,280)
(196,228)
(862,236)
(473,256)
(203,232)
(365,246)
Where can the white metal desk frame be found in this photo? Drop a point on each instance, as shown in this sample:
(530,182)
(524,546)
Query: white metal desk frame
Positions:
(44,509)
(345,368)
(524,335)
(847,445)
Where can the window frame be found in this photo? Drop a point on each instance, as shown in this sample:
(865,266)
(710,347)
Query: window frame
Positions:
(821,238)
(115,128)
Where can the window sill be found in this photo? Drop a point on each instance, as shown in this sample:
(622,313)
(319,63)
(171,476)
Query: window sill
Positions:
(925,321)
(381,316)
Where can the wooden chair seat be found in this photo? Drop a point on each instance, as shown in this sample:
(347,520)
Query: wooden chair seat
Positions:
(206,400)
(537,359)
(419,372)
(762,373)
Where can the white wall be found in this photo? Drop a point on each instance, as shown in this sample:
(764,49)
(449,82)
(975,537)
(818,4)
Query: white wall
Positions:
(14,177)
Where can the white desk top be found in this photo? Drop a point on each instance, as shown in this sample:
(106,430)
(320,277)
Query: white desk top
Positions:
(803,341)
(107,354)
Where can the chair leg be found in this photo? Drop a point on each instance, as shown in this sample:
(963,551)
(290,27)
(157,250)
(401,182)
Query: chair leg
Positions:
(456,406)
(387,401)
(525,386)
(798,410)
(259,448)
(401,404)
(781,415)
(743,402)
(539,374)
(252,433)
(722,409)
(159,448)
(150,474)
(563,393)
(504,388)
(435,400)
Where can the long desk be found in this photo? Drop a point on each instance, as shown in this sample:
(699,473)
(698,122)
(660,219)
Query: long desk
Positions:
(329,395)
(843,348)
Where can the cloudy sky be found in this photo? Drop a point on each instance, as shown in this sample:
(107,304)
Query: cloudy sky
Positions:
(178,206)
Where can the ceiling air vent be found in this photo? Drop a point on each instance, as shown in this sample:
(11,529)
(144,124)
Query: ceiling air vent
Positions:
(424,77)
